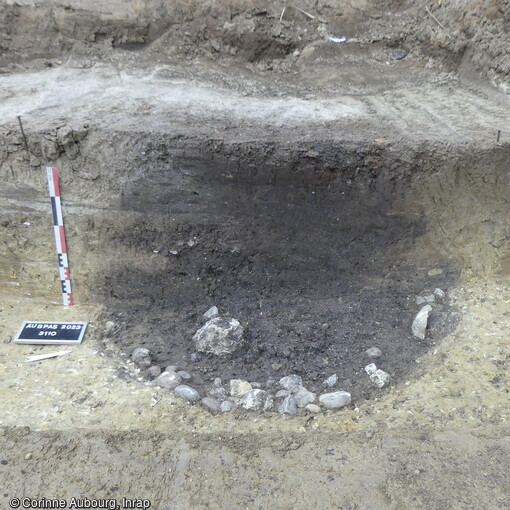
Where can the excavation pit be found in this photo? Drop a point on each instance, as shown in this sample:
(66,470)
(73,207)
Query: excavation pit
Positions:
(317,249)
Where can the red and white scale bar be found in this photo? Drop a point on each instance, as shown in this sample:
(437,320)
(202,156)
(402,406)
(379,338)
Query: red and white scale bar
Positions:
(60,239)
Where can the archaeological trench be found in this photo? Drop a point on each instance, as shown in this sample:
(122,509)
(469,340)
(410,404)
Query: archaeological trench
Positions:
(259,199)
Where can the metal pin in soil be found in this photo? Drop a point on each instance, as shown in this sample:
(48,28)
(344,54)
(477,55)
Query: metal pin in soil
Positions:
(22,132)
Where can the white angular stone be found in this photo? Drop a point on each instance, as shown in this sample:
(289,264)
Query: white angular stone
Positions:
(211,313)
(420,322)
(288,406)
(227,406)
(169,380)
(335,400)
(370,369)
(440,293)
(219,336)
(238,387)
(184,375)
(254,400)
(380,378)
(291,383)
(268,402)
(330,381)
(302,396)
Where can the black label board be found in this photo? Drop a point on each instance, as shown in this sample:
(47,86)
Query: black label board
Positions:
(38,332)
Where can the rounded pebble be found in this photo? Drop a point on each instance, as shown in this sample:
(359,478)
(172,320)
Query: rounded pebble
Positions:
(187,393)
(373,352)
(226,406)
(153,372)
(212,404)
(335,400)
(168,380)
(142,357)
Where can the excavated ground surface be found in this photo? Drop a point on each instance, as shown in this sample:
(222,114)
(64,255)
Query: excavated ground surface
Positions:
(309,188)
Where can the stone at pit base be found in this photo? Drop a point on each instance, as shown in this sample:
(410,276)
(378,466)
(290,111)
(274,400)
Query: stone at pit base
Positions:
(168,380)
(187,393)
(268,402)
(142,357)
(379,377)
(370,369)
(302,397)
(288,406)
(440,293)
(291,382)
(211,313)
(212,404)
(226,406)
(218,393)
(420,322)
(373,352)
(184,375)
(254,400)
(219,336)
(330,381)
(335,400)
(313,408)
(153,372)
(238,387)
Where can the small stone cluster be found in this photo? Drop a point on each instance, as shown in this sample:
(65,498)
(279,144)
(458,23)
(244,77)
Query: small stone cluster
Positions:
(221,336)
(287,396)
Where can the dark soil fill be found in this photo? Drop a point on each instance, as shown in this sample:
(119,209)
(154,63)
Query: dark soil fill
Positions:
(309,254)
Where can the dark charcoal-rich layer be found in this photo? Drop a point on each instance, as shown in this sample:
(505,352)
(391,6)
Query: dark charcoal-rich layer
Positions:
(317,269)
